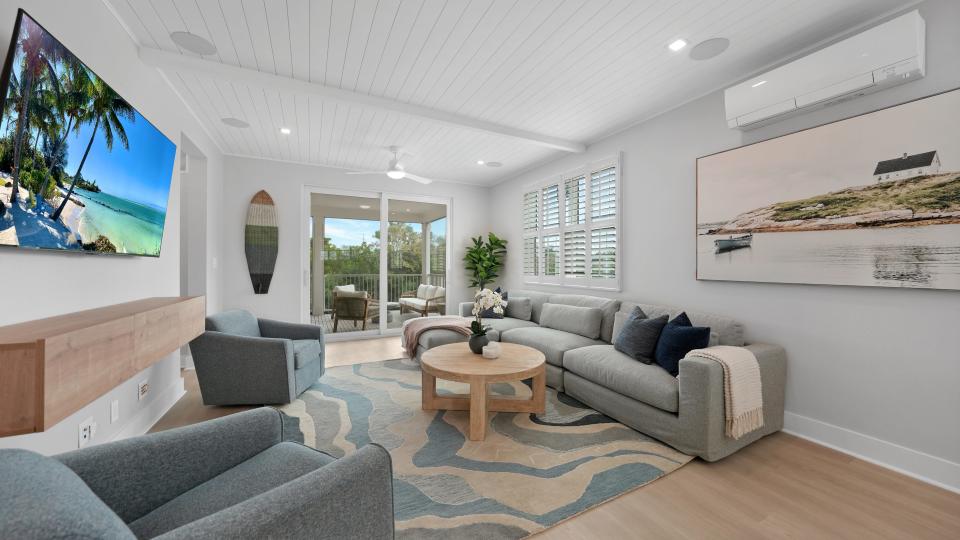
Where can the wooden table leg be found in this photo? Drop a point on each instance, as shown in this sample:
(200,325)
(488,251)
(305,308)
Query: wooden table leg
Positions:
(539,398)
(428,391)
(478,408)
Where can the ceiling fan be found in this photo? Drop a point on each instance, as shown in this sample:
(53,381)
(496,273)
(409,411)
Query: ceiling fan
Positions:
(395,169)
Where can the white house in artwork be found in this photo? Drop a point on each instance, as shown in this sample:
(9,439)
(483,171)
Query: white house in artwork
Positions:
(907,166)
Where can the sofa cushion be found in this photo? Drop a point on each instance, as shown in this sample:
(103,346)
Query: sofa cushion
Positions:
(507,323)
(729,331)
(604,365)
(677,339)
(305,351)
(552,343)
(273,467)
(537,300)
(42,498)
(441,336)
(519,307)
(608,306)
(574,319)
(639,336)
(238,322)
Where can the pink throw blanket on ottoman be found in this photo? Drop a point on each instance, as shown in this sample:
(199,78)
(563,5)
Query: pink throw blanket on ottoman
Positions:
(414,327)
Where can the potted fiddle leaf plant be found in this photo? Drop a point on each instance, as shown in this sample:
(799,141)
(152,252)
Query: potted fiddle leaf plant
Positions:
(484,259)
(484,300)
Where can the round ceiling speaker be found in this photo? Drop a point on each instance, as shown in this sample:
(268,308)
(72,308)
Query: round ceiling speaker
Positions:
(710,48)
(235,122)
(494,164)
(193,43)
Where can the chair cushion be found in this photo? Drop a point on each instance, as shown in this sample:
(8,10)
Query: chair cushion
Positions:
(273,467)
(585,321)
(238,322)
(344,288)
(418,303)
(42,498)
(552,343)
(305,351)
(604,365)
(438,292)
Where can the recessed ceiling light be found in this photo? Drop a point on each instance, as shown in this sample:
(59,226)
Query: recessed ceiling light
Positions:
(677,45)
(758,83)
(193,43)
(480,162)
(707,49)
(235,122)
(365,206)
(494,164)
(285,130)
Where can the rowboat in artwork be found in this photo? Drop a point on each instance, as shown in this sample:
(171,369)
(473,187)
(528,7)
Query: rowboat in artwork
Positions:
(732,243)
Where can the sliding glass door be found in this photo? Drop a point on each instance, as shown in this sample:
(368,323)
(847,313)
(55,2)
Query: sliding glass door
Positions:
(373,261)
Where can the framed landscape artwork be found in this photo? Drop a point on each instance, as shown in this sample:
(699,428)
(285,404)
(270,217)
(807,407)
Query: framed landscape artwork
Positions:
(872,200)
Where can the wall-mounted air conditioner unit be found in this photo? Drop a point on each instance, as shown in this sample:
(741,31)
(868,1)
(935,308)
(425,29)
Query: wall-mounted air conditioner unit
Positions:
(886,55)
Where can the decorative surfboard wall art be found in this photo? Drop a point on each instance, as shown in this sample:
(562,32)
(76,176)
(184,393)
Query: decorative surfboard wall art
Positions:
(260,234)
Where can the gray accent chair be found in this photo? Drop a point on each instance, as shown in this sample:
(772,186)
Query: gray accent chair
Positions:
(227,478)
(686,412)
(243,360)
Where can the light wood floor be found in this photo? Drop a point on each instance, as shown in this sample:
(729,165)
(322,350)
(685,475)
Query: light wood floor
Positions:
(779,487)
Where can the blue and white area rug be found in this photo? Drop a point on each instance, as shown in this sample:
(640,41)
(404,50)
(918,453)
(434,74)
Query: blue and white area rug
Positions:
(531,472)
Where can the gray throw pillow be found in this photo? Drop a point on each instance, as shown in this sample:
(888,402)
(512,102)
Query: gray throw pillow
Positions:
(638,336)
(519,307)
(583,321)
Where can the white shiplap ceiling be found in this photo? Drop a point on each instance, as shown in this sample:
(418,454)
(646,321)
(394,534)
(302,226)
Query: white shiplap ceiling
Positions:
(454,81)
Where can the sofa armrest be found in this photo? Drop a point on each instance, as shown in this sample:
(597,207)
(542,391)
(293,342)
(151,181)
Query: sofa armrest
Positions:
(466,309)
(287,330)
(349,498)
(135,476)
(701,391)
(234,370)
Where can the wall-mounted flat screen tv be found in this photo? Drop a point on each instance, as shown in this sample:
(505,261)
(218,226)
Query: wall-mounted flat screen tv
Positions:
(80,169)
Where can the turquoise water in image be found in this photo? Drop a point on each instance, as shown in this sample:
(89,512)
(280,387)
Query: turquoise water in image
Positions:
(132,227)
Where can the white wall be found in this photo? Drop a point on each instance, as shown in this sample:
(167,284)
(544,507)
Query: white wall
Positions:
(46,284)
(874,371)
(285,183)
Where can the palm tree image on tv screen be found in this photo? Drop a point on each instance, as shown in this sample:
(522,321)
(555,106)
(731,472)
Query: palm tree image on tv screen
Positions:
(80,168)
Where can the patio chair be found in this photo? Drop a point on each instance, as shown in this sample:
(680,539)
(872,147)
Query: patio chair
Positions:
(352,306)
(425,300)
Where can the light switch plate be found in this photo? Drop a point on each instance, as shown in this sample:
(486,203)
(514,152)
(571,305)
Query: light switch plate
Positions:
(114,410)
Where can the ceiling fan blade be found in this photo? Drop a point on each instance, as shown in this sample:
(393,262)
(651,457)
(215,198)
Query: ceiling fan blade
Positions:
(420,179)
(366,172)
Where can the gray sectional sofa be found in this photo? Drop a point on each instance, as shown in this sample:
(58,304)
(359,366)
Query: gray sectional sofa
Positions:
(686,412)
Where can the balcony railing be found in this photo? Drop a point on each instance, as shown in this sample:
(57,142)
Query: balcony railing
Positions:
(397,284)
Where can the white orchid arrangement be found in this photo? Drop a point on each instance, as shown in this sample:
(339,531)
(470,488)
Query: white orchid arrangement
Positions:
(484,299)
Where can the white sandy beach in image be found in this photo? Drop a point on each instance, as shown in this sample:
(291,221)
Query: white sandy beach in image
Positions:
(19,221)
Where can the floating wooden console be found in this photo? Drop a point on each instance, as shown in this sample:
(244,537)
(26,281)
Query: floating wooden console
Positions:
(51,368)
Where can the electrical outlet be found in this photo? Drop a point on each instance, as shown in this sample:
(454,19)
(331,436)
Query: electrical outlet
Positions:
(142,390)
(114,410)
(87,430)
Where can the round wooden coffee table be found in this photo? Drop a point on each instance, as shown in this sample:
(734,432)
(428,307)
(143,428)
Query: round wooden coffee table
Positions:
(455,362)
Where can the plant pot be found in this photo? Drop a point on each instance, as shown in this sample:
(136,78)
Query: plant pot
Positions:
(477,343)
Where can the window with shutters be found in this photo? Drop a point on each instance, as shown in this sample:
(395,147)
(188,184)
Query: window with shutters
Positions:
(571,225)
(551,206)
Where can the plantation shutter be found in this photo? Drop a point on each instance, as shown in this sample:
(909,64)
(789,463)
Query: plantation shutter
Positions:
(530,260)
(603,253)
(603,194)
(530,211)
(551,206)
(575,253)
(575,201)
(551,255)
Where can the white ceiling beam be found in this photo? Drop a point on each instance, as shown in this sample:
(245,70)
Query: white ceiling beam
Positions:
(171,61)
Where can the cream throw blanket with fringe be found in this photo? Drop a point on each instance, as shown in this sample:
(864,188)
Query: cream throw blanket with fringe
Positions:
(742,395)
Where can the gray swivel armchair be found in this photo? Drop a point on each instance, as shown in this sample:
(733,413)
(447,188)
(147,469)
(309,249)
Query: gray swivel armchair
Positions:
(232,477)
(242,360)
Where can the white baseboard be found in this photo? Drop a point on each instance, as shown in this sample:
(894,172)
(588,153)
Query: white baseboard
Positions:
(924,467)
(152,412)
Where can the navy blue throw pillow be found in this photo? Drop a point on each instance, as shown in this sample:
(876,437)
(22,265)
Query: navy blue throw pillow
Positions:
(638,336)
(678,338)
(489,313)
